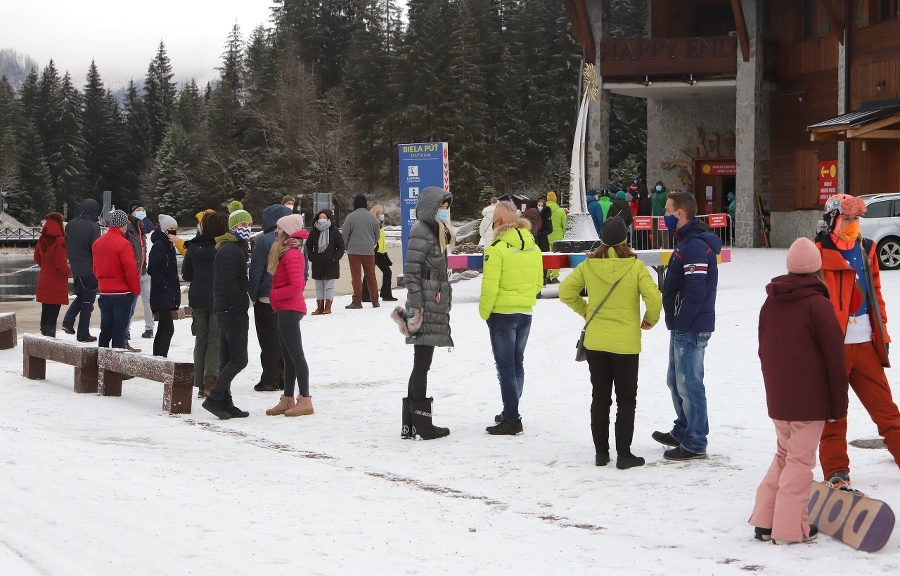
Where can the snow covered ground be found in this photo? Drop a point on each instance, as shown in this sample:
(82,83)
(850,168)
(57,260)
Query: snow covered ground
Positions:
(91,485)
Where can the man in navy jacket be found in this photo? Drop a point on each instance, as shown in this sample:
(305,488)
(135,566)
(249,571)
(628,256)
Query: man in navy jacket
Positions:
(689,302)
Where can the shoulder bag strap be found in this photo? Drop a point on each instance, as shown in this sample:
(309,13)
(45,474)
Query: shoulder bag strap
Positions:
(605,298)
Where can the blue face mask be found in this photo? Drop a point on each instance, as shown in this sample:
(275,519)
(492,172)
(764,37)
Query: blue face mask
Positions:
(140,215)
(381,217)
(443,214)
(243,234)
(540,208)
(671,221)
(199,228)
(659,188)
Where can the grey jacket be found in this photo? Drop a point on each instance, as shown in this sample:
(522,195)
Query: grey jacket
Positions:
(136,233)
(260,280)
(425,272)
(360,232)
(81,233)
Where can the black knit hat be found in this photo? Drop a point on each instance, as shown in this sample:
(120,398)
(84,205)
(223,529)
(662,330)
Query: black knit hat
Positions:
(134,204)
(359,201)
(613,231)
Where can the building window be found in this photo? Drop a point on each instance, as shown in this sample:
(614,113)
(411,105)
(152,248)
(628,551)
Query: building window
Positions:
(810,18)
(888,10)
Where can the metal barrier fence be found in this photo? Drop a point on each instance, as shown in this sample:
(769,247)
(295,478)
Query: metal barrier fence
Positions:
(18,236)
(650,233)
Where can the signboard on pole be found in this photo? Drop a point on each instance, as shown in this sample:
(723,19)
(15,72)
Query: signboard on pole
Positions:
(421,165)
(827,180)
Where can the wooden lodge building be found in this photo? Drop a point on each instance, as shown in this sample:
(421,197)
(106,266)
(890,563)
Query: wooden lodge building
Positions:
(791,100)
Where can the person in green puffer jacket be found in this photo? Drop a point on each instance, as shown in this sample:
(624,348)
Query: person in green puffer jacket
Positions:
(558,216)
(614,277)
(513,275)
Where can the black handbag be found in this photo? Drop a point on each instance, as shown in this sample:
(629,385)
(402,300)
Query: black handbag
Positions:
(580,350)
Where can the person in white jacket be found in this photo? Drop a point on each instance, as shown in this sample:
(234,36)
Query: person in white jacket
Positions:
(487,223)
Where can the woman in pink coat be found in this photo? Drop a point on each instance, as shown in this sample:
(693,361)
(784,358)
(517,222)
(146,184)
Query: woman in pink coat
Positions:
(53,279)
(286,265)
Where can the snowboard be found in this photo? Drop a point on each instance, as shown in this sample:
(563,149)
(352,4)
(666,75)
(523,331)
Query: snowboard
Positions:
(860,522)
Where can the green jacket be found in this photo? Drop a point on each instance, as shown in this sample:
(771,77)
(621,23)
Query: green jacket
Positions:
(658,200)
(513,271)
(617,326)
(558,217)
(605,202)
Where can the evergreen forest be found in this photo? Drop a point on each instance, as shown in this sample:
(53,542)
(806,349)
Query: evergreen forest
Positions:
(317,101)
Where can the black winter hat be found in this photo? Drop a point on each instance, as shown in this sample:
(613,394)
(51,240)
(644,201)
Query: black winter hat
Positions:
(359,201)
(134,204)
(214,203)
(613,231)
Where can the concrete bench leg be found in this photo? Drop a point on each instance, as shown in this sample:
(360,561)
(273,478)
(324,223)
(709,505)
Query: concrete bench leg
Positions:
(34,368)
(110,383)
(86,380)
(177,399)
(8,339)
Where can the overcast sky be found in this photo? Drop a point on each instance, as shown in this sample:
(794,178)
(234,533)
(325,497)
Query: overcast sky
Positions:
(122,38)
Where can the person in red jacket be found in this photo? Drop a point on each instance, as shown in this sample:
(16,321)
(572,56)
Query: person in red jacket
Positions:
(801,350)
(851,271)
(117,281)
(53,278)
(286,265)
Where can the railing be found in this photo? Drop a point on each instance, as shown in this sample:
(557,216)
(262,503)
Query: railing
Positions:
(713,56)
(649,232)
(19,235)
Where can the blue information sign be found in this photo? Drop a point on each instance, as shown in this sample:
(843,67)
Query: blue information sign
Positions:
(421,165)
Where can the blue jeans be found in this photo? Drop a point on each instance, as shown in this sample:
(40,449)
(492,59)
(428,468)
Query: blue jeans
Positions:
(115,312)
(85,294)
(509,335)
(685,381)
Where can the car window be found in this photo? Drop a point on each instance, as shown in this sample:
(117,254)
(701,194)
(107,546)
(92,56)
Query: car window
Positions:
(880,209)
(896,208)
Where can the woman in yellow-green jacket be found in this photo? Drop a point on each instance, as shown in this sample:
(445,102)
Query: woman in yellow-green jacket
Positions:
(613,337)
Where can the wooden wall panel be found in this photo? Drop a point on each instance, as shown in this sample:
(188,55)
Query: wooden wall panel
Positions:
(874,58)
(671,18)
(789,119)
(876,169)
(800,58)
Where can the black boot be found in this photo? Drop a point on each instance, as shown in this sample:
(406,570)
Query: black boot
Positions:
(420,417)
(48,330)
(625,460)
(233,410)
(217,407)
(406,430)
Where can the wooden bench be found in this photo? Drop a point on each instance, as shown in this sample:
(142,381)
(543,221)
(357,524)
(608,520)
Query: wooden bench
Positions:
(177,377)
(36,350)
(8,331)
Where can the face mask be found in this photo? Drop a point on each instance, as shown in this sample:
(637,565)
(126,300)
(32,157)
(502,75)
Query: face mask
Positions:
(659,188)
(140,215)
(671,221)
(323,224)
(849,233)
(540,208)
(443,214)
(243,234)
(381,217)
(199,228)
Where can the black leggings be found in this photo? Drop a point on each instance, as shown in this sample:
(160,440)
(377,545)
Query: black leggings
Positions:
(418,379)
(165,328)
(49,315)
(295,366)
(620,372)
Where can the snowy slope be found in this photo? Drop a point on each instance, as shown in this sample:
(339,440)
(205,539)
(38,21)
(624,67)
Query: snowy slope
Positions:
(106,486)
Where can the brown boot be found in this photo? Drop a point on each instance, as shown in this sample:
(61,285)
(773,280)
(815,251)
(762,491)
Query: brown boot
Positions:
(285,404)
(208,387)
(303,407)
(320,307)
(327,307)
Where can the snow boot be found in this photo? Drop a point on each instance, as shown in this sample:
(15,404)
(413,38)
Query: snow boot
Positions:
(217,407)
(405,418)
(320,307)
(233,410)
(303,407)
(626,460)
(355,305)
(286,403)
(48,330)
(327,307)
(375,303)
(420,418)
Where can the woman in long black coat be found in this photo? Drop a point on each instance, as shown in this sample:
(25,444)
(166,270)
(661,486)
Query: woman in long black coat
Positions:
(324,250)
(165,289)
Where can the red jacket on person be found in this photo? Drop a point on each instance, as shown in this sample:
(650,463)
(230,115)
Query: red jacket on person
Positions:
(114,264)
(50,256)
(801,350)
(289,280)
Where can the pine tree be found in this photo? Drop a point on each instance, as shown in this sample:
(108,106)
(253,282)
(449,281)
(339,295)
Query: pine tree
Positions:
(159,96)
(67,145)
(178,194)
(135,149)
(10,127)
(37,198)
(101,136)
